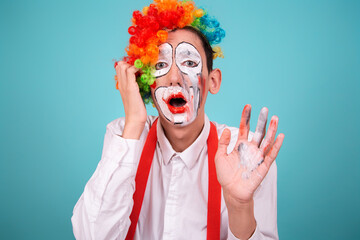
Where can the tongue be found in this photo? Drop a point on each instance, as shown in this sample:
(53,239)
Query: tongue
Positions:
(177,102)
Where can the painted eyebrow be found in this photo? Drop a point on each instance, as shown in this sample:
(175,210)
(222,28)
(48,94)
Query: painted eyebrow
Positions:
(187,52)
(165,50)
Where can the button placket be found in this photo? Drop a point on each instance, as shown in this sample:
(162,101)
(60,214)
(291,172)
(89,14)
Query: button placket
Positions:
(172,201)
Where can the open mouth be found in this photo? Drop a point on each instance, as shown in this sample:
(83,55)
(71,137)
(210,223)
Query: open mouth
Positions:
(176,103)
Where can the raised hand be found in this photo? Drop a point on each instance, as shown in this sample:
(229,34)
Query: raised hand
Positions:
(134,107)
(241,172)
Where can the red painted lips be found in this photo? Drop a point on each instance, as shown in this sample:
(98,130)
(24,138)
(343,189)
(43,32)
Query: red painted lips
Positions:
(176,103)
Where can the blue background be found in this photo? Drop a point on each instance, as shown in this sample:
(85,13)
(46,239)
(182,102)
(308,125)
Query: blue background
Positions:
(301,59)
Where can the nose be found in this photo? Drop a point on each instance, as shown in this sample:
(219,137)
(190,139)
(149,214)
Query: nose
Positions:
(175,76)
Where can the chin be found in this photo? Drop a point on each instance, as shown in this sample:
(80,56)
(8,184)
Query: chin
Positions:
(177,106)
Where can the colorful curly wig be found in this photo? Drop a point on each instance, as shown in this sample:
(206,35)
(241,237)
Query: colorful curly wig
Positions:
(150,29)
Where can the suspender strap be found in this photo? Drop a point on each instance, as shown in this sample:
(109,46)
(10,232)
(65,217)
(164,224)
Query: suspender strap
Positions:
(214,192)
(141,178)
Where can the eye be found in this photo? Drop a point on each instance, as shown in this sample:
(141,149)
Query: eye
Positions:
(161,65)
(190,63)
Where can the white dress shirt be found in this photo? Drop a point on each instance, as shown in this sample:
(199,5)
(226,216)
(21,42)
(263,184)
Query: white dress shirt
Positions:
(176,195)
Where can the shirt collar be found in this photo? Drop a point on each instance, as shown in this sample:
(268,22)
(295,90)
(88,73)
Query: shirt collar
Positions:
(189,155)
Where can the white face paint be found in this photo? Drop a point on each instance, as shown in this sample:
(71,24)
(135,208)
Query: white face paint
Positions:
(165,60)
(179,104)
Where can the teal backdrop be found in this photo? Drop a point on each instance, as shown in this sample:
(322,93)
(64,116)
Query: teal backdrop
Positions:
(301,59)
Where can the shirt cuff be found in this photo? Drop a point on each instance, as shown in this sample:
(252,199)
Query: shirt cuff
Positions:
(255,236)
(120,147)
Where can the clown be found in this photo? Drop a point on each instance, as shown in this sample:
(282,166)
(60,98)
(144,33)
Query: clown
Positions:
(171,176)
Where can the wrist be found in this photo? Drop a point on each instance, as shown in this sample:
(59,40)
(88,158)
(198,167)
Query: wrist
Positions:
(237,206)
(133,130)
(237,203)
(242,221)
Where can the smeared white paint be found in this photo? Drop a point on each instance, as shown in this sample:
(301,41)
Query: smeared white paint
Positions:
(250,158)
(189,64)
(260,127)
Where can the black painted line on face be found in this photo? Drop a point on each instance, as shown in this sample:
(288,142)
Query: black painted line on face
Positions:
(198,90)
(159,104)
(197,93)
(172,62)
(196,50)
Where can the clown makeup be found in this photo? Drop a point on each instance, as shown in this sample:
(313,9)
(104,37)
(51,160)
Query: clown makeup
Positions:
(260,127)
(179,104)
(165,60)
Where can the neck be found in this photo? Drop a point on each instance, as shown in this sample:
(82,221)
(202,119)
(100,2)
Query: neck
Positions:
(181,138)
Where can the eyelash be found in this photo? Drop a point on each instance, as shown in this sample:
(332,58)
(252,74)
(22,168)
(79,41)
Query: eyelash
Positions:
(195,64)
(157,65)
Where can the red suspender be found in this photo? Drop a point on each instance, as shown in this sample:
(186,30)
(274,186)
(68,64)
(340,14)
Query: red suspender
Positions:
(214,192)
(141,178)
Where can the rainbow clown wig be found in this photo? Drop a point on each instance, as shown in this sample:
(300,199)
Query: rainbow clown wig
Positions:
(150,29)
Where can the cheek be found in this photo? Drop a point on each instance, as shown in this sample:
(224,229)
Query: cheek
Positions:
(159,81)
(153,86)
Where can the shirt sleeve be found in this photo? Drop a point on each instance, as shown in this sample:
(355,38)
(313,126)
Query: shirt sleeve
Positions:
(265,207)
(103,210)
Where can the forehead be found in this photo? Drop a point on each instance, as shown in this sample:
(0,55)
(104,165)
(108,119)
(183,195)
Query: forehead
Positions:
(183,35)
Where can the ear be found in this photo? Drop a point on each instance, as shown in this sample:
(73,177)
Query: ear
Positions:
(214,81)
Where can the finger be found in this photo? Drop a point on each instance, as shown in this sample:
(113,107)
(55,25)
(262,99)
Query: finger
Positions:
(127,75)
(245,123)
(265,163)
(224,141)
(260,127)
(270,136)
(118,66)
(130,75)
(271,156)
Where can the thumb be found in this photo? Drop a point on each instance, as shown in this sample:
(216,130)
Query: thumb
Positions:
(224,141)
